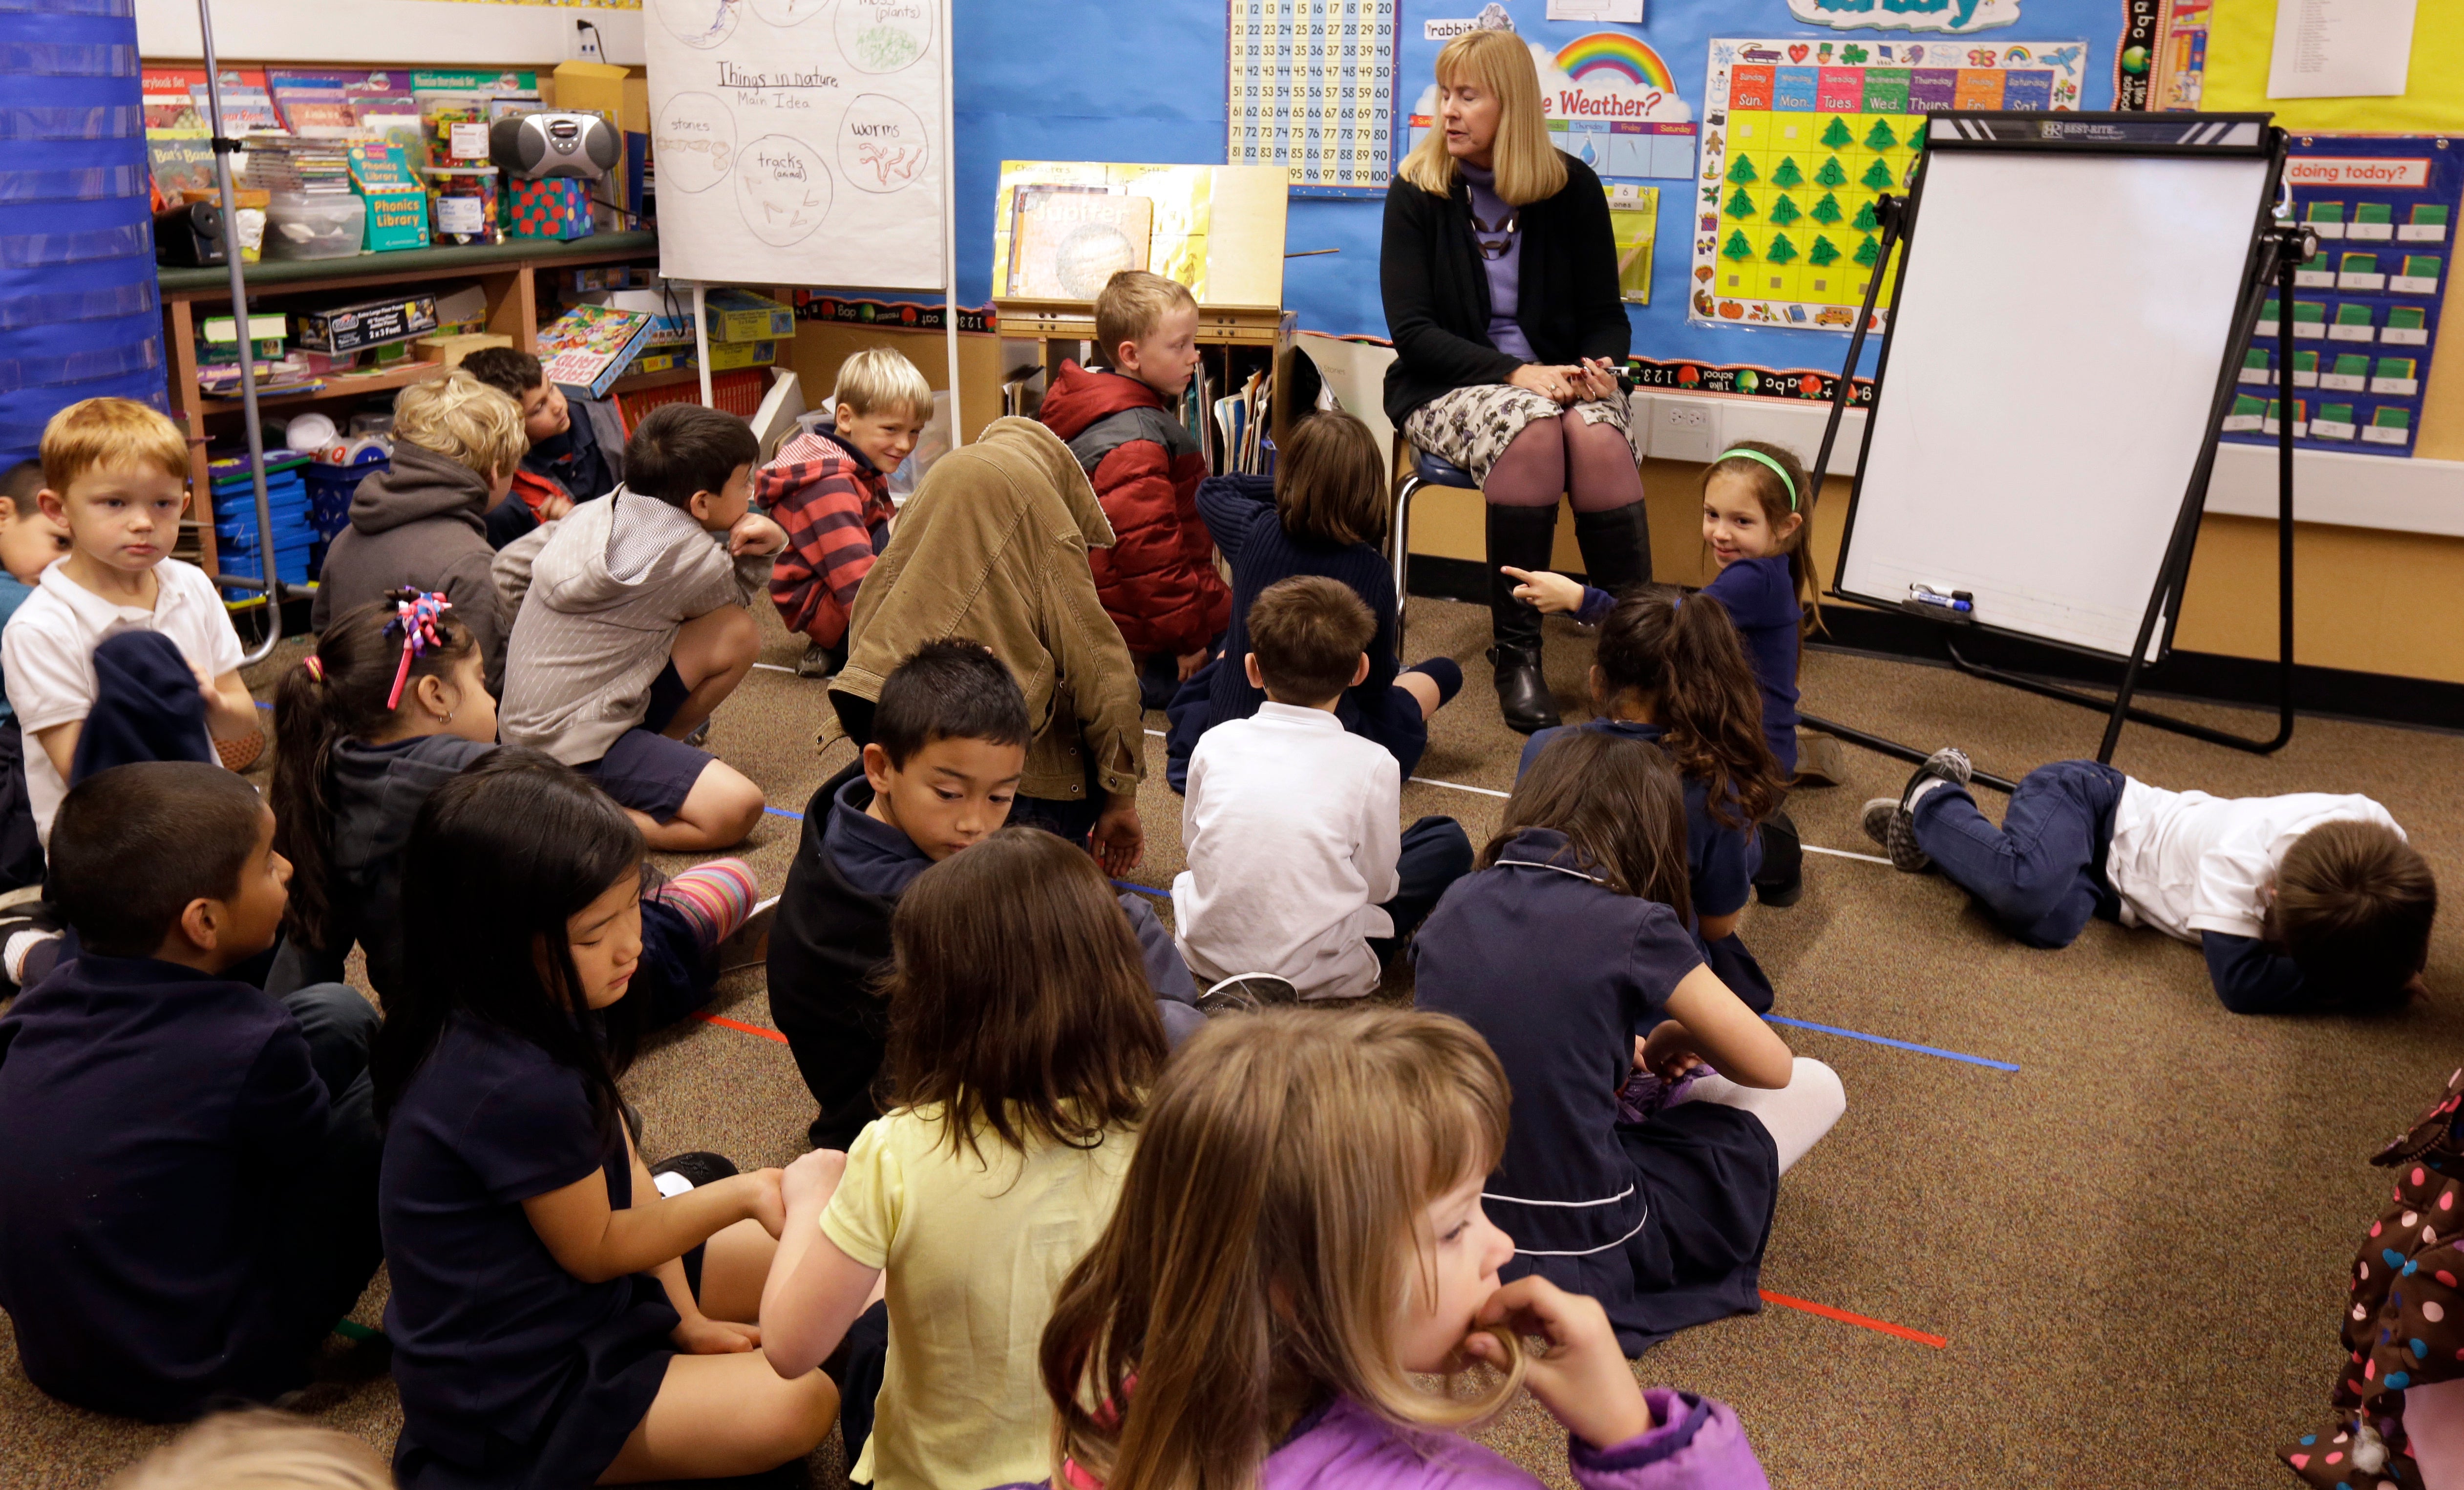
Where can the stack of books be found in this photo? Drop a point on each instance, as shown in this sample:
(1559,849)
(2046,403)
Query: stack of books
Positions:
(281,161)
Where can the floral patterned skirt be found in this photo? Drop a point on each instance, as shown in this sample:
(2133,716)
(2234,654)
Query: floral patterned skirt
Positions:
(1472,426)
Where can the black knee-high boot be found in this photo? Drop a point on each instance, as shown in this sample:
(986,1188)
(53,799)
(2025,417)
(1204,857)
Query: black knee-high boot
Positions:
(1523,536)
(1617,547)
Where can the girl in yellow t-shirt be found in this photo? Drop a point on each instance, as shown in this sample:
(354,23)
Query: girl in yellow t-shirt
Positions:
(1022,1040)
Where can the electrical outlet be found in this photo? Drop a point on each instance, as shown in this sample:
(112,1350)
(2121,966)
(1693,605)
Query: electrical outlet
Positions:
(585,43)
(1683,428)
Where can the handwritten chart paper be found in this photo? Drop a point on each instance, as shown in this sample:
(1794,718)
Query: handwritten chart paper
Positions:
(798,141)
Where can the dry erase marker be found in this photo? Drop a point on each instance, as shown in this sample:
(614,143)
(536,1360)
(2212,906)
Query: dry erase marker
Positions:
(1947,599)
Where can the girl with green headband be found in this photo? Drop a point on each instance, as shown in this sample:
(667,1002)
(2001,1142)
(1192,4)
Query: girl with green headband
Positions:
(1756,500)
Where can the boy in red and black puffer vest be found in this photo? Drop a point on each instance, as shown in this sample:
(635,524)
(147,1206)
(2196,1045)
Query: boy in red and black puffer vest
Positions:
(1158,580)
(831,490)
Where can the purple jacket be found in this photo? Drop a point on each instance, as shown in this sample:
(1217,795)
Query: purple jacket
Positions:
(1699,1445)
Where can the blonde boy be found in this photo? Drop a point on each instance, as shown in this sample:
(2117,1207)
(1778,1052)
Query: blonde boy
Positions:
(831,490)
(1158,580)
(457,445)
(115,476)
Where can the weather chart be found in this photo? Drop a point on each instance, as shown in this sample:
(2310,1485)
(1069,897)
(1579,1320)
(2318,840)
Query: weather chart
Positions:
(1612,104)
(1799,139)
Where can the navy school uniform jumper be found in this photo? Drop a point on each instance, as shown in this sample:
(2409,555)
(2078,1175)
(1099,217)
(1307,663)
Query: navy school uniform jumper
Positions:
(1662,1221)
(513,1372)
(1240,512)
(1721,859)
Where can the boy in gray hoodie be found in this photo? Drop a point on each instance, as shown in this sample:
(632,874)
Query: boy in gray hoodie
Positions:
(631,622)
(422,523)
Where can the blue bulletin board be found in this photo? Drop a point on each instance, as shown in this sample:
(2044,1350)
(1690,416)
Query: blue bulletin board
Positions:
(1096,81)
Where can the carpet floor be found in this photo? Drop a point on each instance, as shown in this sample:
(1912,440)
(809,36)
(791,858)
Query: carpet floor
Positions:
(2078,1217)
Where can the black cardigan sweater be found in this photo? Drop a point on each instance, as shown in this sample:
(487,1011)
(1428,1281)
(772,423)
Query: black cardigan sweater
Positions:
(1436,288)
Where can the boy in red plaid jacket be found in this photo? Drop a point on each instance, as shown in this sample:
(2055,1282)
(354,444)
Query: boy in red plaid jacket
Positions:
(831,490)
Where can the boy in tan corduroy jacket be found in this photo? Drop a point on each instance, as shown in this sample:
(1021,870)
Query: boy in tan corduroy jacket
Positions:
(993,547)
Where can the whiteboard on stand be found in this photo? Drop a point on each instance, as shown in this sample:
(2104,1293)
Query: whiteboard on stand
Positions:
(800,141)
(2047,388)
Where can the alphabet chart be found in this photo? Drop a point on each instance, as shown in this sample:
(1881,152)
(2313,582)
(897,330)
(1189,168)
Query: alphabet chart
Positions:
(1312,89)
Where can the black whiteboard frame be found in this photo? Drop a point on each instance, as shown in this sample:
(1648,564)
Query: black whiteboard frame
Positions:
(2264,268)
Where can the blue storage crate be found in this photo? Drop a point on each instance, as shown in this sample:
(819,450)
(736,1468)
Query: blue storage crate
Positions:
(330,490)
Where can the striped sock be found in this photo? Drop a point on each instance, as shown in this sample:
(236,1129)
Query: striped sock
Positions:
(716,897)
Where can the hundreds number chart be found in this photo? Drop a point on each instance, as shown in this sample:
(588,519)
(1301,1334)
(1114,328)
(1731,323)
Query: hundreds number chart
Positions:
(1312,91)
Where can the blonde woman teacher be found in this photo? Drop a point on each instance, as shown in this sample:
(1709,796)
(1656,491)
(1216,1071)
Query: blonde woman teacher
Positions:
(1499,278)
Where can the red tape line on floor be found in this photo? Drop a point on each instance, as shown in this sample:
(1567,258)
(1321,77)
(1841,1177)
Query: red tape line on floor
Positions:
(1846,1318)
(738,1024)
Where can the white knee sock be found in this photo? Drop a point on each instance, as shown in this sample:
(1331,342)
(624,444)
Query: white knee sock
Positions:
(1796,1115)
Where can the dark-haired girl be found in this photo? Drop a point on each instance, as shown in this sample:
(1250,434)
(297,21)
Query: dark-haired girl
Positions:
(389,705)
(1562,948)
(556,1318)
(1022,1040)
(1674,674)
(1323,513)
(1757,502)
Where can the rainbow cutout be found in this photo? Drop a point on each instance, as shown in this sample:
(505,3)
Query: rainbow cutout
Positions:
(1620,54)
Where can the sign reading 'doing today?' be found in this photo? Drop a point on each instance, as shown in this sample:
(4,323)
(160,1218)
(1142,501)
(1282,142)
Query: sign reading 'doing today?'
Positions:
(1945,15)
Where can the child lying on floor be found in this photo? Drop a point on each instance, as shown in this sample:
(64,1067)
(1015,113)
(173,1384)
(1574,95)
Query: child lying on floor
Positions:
(2302,904)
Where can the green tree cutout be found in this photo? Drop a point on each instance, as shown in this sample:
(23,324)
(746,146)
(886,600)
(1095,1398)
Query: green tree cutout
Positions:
(1737,247)
(1739,204)
(1878,177)
(1867,221)
(1744,170)
(1880,136)
(1827,210)
(1788,175)
(1832,173)
(1870,251)
(1824,252)
(1839,136)
(1784,211)
(1781,250)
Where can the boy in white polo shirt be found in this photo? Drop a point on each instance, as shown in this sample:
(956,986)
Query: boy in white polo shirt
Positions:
(115,475)
(1295,865)
(2302,904)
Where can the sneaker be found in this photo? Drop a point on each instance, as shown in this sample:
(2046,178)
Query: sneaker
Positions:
(699,739)
(689,1170)
(1246,992)
(23,927)
(1889,821)
(818,662)
(749,947)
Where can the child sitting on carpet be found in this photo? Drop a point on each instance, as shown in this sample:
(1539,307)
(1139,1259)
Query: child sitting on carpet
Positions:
(423,521)
(1022,1040)
(939,775)
(1672,673)
(1568,949)
(1323,513)
(1300,1235)
(831,490)
(631,623)
(1757,502)
(558,1318)
(2301,903)
(115,476)
(187,1198)
(1296,864)
(564,463)
(384,709)
(1123,423)
(29,544)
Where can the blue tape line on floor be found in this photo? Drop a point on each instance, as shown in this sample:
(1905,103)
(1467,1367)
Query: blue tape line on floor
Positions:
(781,812)
(1145,889)
(1895,1044)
